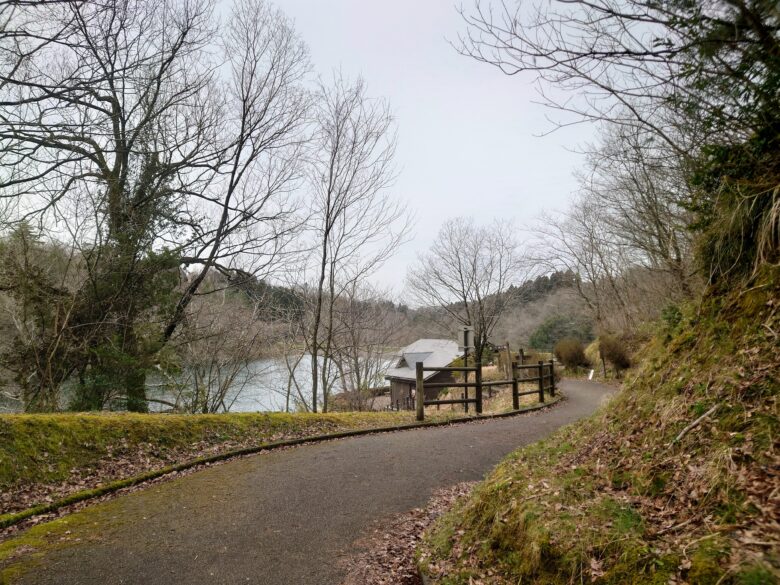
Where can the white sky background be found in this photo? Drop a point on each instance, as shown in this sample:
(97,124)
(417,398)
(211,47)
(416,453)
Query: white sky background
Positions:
(468,139)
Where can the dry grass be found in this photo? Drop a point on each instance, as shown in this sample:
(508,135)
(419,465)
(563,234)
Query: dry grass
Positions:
(496,399)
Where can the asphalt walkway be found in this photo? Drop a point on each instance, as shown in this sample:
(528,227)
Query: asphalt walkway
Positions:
(285,517)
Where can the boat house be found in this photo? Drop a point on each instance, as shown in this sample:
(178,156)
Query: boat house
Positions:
(402,375)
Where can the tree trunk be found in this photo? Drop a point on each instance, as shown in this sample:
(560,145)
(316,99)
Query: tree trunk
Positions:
(135,385)
(314,349)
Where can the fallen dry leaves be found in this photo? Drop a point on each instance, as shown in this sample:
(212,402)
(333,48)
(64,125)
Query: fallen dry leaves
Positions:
(386,556)
(124,460)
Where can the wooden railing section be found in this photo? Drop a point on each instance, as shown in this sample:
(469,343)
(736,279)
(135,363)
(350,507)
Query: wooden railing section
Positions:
(545,379)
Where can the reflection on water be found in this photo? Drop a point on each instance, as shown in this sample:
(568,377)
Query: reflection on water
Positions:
(260,386)
(9,405)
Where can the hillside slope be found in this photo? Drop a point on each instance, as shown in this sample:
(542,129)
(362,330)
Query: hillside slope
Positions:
(676,480)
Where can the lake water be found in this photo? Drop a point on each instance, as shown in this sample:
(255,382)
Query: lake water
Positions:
(261,387)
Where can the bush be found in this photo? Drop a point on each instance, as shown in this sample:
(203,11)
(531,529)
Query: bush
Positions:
(592,353)
(613,350)
(671,316)
(571,353)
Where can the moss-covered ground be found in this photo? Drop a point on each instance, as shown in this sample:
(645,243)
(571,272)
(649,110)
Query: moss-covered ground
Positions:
(44,457)
(48,447)
(23,551)
(675,481)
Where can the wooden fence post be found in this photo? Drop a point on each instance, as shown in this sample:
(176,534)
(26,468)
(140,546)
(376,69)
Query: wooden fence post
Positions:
(466,380)
(420,392)
(515,397)
(478,380)
(552,377)
(541,381)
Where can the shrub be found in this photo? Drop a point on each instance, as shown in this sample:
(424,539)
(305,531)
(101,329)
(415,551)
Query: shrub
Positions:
(592,353)
(571,353)
(613,350)
(671,316)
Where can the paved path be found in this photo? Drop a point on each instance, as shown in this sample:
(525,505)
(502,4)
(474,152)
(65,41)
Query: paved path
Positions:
(285,517)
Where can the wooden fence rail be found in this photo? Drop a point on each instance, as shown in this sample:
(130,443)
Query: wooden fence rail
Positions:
(452,369)
(545,377)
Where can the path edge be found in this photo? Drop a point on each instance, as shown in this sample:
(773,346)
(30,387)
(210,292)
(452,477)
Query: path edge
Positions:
(13,518)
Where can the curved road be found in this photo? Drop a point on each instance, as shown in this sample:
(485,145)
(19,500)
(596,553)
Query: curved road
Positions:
(285,517)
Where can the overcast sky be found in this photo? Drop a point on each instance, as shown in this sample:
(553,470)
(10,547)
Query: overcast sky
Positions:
(467,134)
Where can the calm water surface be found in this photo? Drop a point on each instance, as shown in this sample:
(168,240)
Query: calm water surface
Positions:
(260,387)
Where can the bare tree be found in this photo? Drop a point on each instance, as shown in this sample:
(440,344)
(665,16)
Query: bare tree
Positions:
(354,223)
(368,327)
(626,236)
(262,136)
(467,272)
(216,353)
(701,77)
(581,241)
(643,191)
(683,90)
(149,139)
(637,63)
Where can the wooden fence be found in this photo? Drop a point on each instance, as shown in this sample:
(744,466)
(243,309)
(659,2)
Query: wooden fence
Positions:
(545,379)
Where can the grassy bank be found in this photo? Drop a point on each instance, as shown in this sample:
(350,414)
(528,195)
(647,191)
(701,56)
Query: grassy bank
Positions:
(674,481)
(44,457)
